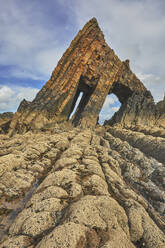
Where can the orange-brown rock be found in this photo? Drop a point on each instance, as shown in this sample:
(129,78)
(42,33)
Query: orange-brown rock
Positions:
(89,66)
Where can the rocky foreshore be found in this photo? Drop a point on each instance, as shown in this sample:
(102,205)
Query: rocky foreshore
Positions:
(82,188)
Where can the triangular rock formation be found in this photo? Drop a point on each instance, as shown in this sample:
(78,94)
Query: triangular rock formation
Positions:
(89,66)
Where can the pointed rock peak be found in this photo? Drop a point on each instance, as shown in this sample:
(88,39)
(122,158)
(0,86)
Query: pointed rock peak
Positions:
(93,20)
(91,24)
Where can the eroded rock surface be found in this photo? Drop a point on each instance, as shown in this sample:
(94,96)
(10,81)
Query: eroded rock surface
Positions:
(82,188)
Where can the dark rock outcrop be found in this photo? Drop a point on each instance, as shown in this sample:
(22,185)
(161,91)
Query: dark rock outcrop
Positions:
(89,66)
(160,113)
(5,120)
(140,111)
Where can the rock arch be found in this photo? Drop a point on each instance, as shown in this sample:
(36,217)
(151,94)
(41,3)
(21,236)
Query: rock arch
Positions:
(110,107)
(90,66)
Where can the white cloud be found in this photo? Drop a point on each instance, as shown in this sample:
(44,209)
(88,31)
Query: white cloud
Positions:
(114,109)
(156,85)
(29,39)
(4,93)
(106,114)
(10,97)
(111,105)
(110,99)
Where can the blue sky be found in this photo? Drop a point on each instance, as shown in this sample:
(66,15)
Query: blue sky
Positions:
(35,34)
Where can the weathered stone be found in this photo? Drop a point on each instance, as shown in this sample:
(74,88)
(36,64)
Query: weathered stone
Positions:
(95,185)
(98,211)
(17,242)
(97,198)
(66,235)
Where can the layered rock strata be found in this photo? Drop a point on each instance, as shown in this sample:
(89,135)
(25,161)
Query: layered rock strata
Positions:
(81,188)
(89,66)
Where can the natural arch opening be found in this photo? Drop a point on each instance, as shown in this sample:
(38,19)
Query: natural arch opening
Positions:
(110,107)
(122,91)
(81,98)
(75,104)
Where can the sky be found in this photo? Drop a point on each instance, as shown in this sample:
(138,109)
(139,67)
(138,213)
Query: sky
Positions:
(36,33)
